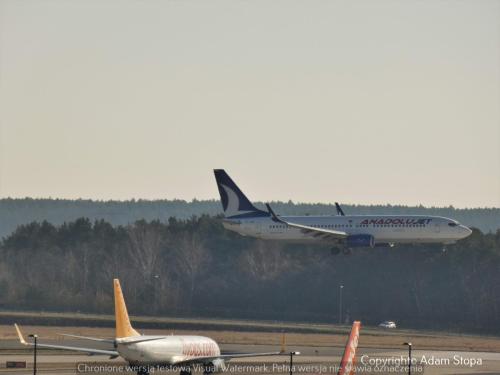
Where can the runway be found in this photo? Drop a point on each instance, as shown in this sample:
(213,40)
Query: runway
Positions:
(313,360)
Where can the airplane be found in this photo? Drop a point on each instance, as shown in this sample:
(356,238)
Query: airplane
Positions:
(143,352)
(343,231)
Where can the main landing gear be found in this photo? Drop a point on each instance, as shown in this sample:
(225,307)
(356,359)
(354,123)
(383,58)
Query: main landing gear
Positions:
(337,250)
(208,370)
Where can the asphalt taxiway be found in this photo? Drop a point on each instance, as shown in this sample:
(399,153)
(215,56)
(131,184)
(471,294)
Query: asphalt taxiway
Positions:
(313,360)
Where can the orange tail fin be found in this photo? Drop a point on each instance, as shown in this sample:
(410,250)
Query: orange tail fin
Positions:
(348,363)
(123,326)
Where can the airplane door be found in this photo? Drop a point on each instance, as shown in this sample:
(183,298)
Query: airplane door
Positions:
(437,228)
(258,227)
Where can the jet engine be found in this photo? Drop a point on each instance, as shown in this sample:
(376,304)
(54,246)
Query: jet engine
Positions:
(360,240)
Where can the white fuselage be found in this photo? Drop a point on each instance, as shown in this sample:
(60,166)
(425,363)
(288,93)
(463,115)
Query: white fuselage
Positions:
(166,350)
(386,229)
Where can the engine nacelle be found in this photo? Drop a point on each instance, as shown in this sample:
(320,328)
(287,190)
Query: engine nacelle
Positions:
(360,240)
(217,365)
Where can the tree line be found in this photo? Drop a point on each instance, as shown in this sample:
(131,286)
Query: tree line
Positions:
(194,267)
(15,212)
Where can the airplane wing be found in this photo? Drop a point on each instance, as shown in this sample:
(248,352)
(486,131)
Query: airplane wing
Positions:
(306,229)
(111,341)
(111,353)
(347,365)
(246,355)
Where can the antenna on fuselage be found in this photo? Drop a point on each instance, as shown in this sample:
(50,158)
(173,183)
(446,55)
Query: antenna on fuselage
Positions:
(340,212)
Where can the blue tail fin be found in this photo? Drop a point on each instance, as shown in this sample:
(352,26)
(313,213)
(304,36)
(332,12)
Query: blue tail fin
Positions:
(234,202)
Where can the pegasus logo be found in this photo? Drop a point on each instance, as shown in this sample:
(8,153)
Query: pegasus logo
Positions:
(199,349)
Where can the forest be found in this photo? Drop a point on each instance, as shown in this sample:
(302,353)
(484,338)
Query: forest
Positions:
(15,212)
(194,267)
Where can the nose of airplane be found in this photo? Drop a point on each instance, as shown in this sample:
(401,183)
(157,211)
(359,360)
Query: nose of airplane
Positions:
(466,232)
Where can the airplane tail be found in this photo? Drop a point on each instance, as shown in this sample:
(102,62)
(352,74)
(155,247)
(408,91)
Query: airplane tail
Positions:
(123,326)
(348,363)
(234,203)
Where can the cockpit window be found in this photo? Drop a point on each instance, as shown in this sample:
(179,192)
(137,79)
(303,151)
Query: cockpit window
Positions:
(452,224)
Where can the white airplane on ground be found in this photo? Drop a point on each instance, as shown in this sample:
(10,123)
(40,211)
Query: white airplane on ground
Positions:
(145,352)
(344,231)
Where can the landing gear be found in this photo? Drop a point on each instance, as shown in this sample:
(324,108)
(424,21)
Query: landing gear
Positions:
(346,251)
(335,251)
(208,369)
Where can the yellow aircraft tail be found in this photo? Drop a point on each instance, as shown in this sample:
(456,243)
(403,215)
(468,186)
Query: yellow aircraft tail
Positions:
(123,326)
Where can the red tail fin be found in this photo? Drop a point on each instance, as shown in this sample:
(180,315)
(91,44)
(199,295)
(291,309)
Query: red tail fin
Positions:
(348,363)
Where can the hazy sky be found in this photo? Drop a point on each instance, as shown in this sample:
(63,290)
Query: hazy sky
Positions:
(357,101)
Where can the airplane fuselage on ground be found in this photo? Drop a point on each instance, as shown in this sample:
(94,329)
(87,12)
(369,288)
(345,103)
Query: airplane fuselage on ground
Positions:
(168,350)
(146,351)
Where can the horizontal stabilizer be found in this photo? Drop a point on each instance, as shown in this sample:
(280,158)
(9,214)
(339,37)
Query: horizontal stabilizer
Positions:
(111,353)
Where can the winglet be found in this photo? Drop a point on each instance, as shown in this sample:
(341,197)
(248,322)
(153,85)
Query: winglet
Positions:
(123,326)
(339,209)
(21,338)
(283,343)
(274,217)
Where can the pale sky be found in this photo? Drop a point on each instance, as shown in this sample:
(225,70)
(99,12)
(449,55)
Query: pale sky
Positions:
(315,101)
